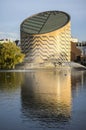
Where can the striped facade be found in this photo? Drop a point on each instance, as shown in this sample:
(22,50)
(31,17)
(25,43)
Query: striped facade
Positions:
(41,45)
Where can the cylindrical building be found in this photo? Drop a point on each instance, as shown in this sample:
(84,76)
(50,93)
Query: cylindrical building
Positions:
(46,37)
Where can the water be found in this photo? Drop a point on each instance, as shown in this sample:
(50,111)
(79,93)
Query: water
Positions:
(43,100)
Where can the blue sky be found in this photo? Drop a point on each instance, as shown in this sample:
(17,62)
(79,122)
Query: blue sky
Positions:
(13,12)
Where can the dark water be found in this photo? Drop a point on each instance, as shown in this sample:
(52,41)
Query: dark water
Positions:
(43,100)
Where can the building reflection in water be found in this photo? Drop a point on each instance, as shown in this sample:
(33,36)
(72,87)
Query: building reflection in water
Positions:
(46,96)
(78,81)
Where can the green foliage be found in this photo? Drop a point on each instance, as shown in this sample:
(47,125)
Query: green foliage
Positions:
(10,55)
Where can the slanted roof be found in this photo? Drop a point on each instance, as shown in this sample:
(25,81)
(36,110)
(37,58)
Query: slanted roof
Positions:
(45,22)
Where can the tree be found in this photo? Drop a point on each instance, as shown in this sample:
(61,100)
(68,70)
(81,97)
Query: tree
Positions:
(10,55)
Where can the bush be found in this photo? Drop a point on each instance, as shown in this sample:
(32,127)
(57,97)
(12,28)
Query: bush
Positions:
(10,55)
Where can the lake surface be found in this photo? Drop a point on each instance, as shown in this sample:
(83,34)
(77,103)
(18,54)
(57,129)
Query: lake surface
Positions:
(43,100)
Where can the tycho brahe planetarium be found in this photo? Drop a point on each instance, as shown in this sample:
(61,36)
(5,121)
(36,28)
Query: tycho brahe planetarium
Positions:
(46,36)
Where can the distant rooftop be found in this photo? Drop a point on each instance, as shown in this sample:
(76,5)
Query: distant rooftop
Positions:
(45,22)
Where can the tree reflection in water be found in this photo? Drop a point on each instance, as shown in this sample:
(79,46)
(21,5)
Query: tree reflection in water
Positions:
(46,97)
(10,81)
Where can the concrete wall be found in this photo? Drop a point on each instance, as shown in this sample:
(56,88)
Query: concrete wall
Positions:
(49,46)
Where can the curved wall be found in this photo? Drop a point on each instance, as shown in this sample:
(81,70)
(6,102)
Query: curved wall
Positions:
(49,46)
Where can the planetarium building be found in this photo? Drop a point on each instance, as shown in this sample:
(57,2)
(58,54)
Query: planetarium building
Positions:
(46,37)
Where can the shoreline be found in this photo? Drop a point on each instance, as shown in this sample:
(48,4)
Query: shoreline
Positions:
(70,65)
